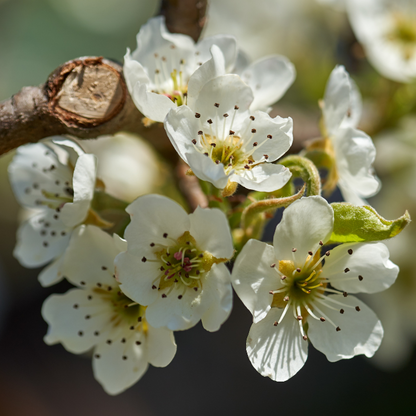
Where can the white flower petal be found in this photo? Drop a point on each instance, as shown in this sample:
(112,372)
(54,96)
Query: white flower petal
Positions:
(89,258)
(116,373)
(241,63)
(210,229)
(174,313)
(226,43)
(137,278)
(278,352)
(206,169)
(355,154)
(210,69)
(41,238)
(34,169)
(336,99)
(182,127)
(266,177)
(83,184)
(153,105)
(253,278)
(227,91)
(155,38)
(269,78)
(279,129)
(305,222)
(368,260)
(161,347)
(356,107)
(152,217)
(52,273)
(134,72)
(219,284)
(66,314)
(361,332)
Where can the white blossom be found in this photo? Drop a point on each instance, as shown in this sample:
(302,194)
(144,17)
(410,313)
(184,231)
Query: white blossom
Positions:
(387,30)
(158,71)
(174,264)
(60,190)
(297,290)
(351,150)
(98,316)
(224,143)
(269,78)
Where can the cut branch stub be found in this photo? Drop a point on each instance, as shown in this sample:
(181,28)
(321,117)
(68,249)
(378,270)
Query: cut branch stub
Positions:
(86,92)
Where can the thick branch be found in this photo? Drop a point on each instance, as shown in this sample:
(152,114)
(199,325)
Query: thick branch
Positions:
(87,97)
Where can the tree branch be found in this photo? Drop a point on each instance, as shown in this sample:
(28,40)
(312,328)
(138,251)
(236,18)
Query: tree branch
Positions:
(87,97)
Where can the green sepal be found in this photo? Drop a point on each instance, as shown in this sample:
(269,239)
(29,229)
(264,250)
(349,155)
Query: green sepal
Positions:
(303,168)
(354,224)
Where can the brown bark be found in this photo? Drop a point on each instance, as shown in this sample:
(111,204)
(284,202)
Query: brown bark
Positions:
(87,97)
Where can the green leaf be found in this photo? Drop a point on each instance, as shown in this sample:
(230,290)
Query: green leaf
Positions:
(355,224)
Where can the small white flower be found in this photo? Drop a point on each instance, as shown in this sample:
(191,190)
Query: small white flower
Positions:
(98,316)
(175,264)
(158,71)
(352,151)
(268,77)
(226,144)
(387,30)
(60,191)
(296,292)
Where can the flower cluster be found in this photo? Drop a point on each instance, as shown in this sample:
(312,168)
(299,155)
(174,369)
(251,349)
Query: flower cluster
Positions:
(168,269)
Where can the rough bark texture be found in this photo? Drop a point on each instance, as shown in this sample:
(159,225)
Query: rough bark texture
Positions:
(87,97)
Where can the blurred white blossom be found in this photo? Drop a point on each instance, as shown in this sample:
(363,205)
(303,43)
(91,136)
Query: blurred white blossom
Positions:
(97,315)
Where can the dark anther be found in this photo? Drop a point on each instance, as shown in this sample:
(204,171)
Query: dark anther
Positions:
(322,319)
(275,323)
(294,250)
(341,311)
(350,251)
(209,121)
(216,105)
(236,107)
(345,294)
(253,130)
(154,287)
(103,268)
(232,132)
(225,115)
(321,243)
(252,118)
(180,297)
(346,270)
(80,333)
(298,270)
(197,115)
(327,253)
(269,136)
(76,306)
(164,295)
(165,235)
(109,341)
(338,329)
(357,308)
(360,278)
(144,259)
(138,343)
